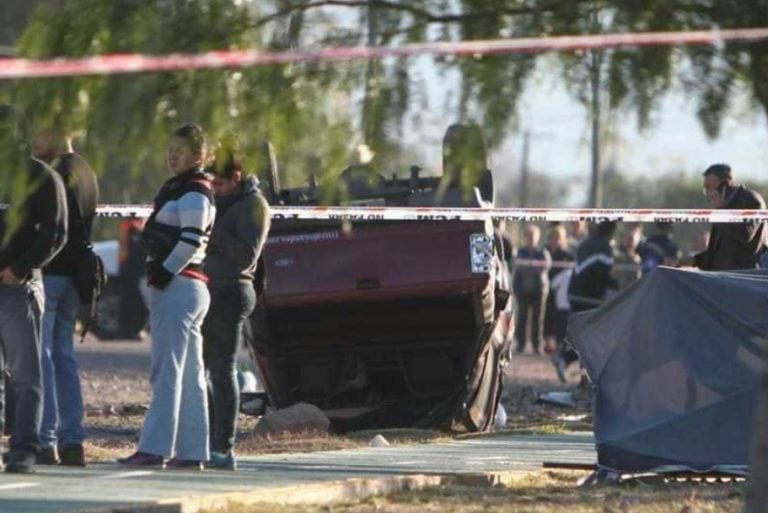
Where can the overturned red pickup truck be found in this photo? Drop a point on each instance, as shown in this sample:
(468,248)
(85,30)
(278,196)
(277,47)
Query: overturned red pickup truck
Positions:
(386,323)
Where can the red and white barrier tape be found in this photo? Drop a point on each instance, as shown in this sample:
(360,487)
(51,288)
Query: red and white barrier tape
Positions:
(135,63)
(519,263)
(483,214)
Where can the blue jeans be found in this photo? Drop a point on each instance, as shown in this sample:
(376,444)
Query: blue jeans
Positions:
(63,398)
(20,324)
(176,424)
(231,304)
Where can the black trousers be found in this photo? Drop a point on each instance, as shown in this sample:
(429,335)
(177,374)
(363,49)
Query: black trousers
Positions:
(530,307)
(231,304)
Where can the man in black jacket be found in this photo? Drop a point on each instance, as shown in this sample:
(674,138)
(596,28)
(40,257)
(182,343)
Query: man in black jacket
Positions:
(61,431)
(592,275)
(32,230)
(731,245)
(591,281)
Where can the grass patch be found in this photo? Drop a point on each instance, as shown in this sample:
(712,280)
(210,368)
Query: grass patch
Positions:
(538,428)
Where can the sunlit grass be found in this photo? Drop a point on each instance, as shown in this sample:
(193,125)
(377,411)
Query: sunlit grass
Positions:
(539,492)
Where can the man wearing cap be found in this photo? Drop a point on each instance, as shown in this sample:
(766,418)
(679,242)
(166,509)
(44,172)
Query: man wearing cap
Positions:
(731,245)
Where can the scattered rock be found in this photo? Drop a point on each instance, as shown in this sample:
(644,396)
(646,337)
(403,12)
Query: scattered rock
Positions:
(299,418)
(378,441)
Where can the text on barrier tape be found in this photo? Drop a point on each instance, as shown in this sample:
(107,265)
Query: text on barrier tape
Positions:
(136,63)
(483,214)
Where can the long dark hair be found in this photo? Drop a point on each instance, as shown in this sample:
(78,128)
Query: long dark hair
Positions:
(193,135)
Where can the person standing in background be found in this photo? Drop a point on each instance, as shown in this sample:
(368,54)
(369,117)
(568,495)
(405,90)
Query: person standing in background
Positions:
(627,268)
(176,237)
(731,245)
(592,276)
(61,432)
(32,231)
(239,233)
(579,232)
(531,286)
(562,261)
(659,249)
(592,280)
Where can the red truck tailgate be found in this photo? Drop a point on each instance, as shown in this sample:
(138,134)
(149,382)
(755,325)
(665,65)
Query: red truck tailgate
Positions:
(375,261)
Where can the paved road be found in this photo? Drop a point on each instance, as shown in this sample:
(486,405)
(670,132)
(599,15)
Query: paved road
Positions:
(101,486)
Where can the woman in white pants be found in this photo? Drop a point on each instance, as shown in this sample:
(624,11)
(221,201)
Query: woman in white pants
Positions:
(175,432)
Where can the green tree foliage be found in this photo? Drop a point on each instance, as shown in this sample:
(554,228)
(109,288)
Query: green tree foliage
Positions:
(124,120)
(716,72)
(311,112)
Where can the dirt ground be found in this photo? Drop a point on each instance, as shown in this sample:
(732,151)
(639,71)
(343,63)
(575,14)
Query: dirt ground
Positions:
(116,394)
(538,492)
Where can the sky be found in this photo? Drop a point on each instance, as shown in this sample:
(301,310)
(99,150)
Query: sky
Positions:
(674,143)
(560,145)
(560,134)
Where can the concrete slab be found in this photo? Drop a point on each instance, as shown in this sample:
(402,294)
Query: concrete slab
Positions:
(310,477)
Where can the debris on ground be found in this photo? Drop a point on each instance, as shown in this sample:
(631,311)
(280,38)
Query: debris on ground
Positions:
(378,441)
(564,399)
(500,421)
(296,418)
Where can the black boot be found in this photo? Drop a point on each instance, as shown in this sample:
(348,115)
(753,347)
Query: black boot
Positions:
(72,455)
(47,456)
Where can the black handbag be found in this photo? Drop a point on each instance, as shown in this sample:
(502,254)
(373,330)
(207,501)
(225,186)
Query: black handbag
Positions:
(90,276)
(90,280)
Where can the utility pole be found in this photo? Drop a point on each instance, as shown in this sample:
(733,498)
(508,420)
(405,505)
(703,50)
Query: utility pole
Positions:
(596,186)
(524,169)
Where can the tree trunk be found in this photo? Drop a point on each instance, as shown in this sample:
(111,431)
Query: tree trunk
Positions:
(524,173)
(757,488)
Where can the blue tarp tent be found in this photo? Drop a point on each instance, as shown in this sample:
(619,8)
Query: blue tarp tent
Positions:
(676,361)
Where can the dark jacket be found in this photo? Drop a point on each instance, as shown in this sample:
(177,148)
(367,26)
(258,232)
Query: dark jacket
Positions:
(735,245)
(82,198)
(655,250)
(41,229)
(560,256)
(592,273)
(239,233)
(531,278)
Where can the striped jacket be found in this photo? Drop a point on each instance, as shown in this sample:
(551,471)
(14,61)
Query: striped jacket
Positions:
(178,230)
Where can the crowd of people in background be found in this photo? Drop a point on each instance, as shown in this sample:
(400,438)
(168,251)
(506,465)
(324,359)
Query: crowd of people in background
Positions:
(202,241)
(580,270)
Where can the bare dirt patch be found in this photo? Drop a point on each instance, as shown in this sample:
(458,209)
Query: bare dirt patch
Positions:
(538,492)
(116,391)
